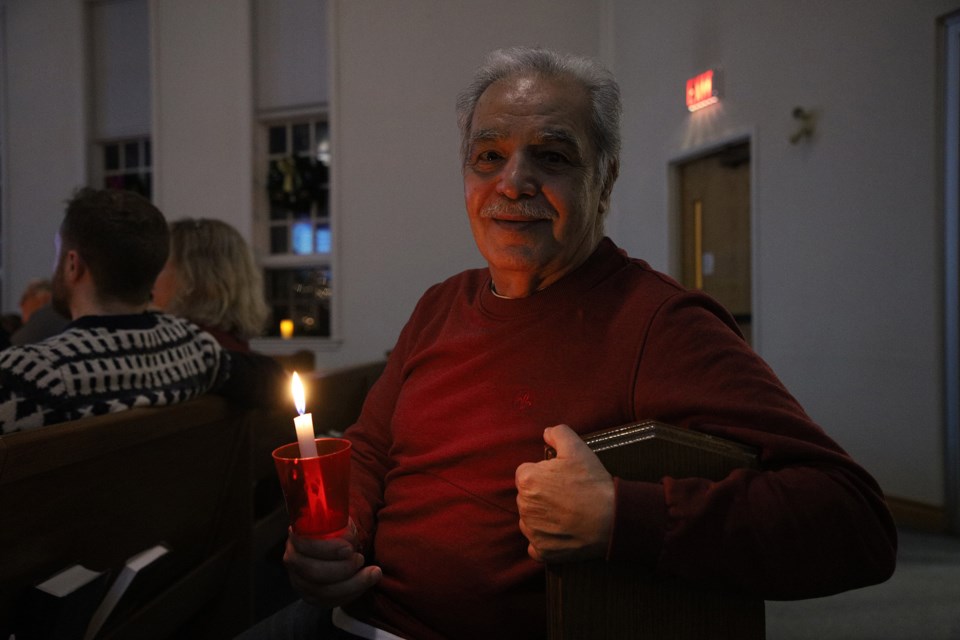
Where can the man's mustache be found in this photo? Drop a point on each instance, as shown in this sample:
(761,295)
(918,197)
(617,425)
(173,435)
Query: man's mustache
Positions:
(521,208)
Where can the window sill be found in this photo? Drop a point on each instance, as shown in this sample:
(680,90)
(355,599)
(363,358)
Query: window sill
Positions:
(281,347)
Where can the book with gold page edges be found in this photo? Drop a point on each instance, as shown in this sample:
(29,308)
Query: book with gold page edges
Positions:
(600,600)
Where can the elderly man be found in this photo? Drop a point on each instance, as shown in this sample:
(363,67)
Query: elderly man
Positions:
(453,507)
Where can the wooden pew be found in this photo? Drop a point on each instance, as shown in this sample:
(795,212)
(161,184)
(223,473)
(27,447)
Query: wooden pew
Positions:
(98,490)
(197,476)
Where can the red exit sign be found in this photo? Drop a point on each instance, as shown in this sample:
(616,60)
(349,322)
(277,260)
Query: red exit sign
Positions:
(703,90)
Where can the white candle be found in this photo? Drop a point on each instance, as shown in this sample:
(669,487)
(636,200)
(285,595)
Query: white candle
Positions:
(304,421)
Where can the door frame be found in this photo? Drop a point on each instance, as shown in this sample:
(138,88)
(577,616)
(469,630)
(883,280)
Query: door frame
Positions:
(675,253)
(950,87)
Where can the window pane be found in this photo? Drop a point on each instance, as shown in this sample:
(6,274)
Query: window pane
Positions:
(275,182)
(323,204)
(278,140)
(322,135)
(311,180)
(278,240)
(301,138)
(133,182)
(131,155)
(111,157)
(324,240)
(126,165)
(302,295)
(302,232)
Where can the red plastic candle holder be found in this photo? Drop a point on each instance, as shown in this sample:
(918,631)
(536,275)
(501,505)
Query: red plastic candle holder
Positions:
(316,490)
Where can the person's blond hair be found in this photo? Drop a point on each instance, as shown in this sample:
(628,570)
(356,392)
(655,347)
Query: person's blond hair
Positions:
(219,284)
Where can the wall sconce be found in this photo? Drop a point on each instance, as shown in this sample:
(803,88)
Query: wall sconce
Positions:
(807,122)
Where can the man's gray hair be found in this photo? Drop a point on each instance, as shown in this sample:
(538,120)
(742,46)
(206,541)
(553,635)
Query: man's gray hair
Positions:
(517,61)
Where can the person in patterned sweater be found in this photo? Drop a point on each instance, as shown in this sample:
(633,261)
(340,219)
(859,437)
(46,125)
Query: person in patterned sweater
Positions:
(115,354)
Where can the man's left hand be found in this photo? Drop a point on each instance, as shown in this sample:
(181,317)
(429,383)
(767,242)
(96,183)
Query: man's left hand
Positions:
(566,503)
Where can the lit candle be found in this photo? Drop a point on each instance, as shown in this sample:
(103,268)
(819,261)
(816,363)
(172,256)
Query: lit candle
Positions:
(286,329)
(304,421)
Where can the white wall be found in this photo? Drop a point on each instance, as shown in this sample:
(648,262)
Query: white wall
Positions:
(848,248)
(203,110)
(119,68)
(847,226)
(43,132)
(291,54)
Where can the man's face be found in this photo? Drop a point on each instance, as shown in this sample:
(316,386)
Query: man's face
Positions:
(532,192)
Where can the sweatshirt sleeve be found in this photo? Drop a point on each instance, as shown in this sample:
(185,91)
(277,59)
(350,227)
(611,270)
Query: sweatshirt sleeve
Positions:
(371,438)
(371,435)
(810,522)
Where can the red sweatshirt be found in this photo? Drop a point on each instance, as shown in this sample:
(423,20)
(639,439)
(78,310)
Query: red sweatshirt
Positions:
(474,380)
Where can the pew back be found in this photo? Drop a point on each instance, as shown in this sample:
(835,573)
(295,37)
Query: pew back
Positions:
(197,476)
(98,490)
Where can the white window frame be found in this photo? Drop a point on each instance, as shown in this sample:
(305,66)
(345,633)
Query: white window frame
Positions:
(265,224)
(143,167)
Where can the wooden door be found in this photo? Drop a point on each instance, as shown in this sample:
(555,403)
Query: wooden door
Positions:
(715,229)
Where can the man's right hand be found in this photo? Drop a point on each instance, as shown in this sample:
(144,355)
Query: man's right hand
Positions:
(328,573)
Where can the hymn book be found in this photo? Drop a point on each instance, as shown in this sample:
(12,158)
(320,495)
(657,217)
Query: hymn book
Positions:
(60,606)
(601,600)
(121,586)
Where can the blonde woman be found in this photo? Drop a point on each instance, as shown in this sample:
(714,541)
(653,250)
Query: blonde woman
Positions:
(211,278)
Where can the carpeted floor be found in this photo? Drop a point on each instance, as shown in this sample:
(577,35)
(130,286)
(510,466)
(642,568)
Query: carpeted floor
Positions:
(920,602)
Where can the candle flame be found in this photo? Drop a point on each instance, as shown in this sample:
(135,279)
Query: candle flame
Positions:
(298,397)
